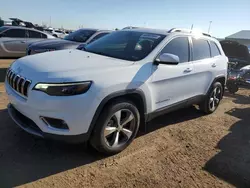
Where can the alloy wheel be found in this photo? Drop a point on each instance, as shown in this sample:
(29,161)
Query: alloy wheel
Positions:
(215,98)
(119,128)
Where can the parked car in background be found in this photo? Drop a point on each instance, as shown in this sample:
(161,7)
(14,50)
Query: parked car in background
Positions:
(56,32)
(238,54)
(104,93)
(72,41)
(238,78)
(14,40)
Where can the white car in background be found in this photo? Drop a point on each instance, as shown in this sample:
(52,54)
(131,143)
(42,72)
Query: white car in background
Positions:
(14,40)
(56,32)
(119,82)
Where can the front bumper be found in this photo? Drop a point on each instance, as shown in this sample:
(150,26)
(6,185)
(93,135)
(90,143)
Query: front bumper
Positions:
(29,126)
(76,111)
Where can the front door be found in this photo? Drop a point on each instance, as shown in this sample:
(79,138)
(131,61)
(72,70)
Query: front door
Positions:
(14,42)
(173,84)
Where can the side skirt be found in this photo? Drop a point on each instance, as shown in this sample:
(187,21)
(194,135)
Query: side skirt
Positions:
(174,107)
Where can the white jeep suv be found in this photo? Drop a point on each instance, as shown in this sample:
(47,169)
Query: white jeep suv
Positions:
(103,93)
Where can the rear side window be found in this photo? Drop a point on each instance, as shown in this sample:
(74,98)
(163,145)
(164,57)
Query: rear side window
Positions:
(34,34)
(179,47)
(15,33)
(201,49)
(214,49)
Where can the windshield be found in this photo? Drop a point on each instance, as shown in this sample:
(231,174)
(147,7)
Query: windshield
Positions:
(127,45)
(80,35)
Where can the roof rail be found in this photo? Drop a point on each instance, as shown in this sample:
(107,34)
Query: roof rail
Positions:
(183,30)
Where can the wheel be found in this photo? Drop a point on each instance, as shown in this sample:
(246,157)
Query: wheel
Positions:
(54,35)
(116,127)
(213,98)
(232,87)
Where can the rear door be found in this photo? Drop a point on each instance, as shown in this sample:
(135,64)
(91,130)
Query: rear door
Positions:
(14,42)
(204,65)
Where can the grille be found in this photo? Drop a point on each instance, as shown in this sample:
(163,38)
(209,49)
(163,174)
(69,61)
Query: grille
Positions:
(18,83)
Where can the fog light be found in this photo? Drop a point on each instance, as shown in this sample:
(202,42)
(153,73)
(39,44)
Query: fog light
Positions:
(55,123)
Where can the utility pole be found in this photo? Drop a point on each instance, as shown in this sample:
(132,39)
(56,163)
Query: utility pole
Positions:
(209,27)
(50,21)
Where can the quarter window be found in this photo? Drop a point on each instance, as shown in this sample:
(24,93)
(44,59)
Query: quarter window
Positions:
(201,49)
(34,34)
(15,33)
(214,49)
(43,36)
(179,47)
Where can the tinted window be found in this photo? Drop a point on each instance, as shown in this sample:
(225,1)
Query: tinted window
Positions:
(43,36)
(179,47)
(15,33)
(98,36)
(34,34)
(214,49)
(201,49)
(127,45)
(80,35)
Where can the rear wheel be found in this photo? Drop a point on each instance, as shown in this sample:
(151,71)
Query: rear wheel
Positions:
(213,98)
(116,127)
(232,87)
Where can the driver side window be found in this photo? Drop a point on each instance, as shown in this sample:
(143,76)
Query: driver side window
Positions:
(179,47)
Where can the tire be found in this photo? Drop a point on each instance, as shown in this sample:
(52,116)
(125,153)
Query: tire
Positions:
(111,137)
(232,88)
(213,98)
(54,35)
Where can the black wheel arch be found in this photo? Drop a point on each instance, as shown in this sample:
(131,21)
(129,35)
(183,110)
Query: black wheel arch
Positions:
(134,95)
(222,80)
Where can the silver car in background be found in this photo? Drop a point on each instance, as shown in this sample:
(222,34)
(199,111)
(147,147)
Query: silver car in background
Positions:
(14,40)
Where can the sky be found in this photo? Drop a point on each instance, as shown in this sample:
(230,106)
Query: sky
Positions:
(227,16)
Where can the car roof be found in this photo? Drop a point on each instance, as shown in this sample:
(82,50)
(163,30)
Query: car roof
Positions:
(149,30)
(100,31)
(94,29)
(19,27)
(31,29)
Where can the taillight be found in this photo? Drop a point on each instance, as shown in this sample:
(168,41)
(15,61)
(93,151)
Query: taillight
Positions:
(232,78)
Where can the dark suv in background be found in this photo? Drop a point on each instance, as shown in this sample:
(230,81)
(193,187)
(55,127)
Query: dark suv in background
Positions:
(72,41)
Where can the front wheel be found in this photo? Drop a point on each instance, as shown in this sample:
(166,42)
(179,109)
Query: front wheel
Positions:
(116,127)
(213,98)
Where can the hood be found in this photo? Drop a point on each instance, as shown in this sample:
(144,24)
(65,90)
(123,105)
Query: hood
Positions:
(53,44)
(235,50)
(66,64)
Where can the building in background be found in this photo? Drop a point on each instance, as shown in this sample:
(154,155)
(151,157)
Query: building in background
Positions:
(243,37)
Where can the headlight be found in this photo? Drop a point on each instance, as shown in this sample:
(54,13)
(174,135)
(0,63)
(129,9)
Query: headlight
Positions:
(63,89)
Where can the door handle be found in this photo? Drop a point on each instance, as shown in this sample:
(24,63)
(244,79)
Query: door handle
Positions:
(214,65)
(23,42)
(188,70)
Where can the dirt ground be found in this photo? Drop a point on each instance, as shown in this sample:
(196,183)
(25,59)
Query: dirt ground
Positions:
(180,149)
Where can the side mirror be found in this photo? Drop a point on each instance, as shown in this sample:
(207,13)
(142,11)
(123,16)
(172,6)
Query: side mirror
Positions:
(167,59)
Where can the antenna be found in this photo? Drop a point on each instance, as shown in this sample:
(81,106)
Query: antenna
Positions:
(209,26)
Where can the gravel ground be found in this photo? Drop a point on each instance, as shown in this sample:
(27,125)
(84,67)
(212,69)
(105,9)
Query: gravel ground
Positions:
(180,149)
